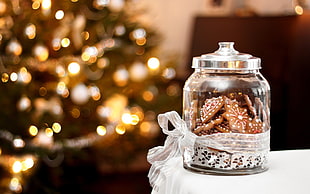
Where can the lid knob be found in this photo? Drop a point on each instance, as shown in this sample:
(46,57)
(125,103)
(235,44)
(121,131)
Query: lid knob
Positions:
(226,48)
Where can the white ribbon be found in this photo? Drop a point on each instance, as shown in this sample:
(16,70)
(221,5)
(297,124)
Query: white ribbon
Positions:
(176,141)
(182,138)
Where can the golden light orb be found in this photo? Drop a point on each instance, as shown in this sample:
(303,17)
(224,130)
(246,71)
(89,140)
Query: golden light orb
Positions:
(153,63)
(49,132)
(33,130)
(59,14)
(13,76)
(120,129)
(299,10)
(65,42)
(101,130)
(17,166)
(74,68)
(5,77)
(56,127)
(30,31)
(46,4)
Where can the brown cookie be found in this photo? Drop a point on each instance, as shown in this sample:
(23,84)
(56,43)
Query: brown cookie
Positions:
(223,127)
(193,114)
(205,128)
(236,116)
(255,126)
(210,108)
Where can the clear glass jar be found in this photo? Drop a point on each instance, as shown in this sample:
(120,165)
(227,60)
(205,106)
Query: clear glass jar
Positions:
(226,105)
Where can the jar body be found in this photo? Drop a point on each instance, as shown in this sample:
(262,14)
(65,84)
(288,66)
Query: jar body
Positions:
(229,112)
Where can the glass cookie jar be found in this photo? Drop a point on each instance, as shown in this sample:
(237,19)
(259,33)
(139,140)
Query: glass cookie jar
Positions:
(226,105)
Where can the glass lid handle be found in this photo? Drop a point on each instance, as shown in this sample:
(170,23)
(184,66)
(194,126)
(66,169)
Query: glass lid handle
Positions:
(226,49)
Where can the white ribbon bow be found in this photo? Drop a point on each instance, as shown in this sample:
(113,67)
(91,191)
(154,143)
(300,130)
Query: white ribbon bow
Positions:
(174,145)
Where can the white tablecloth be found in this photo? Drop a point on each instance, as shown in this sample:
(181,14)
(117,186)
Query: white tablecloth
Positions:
(289,173)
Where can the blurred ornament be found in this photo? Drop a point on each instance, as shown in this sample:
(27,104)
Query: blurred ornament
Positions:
(19,142)
(94,92)
(90,54)
(169,73)
(56,44)
(43,139)
(24,103)
(138,33)
(24,76)
(116,5)
(79,94)
(100,4)
(120,30)
(60,70)
(150,93)
(138,72)
(15,185)
(103,112)
(30,31)
(103,62)
(120,76)
(40,52)
(14,47)
(62,89)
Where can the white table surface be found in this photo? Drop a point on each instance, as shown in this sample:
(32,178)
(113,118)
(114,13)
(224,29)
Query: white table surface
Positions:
(289,173)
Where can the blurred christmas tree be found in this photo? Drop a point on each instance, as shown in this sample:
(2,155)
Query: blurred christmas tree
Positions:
(77,74)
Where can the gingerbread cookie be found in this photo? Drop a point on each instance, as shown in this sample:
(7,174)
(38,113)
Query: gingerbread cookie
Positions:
(205,128)
(249,104)
(223,127)
(210,108)
(236,116)
(255,126)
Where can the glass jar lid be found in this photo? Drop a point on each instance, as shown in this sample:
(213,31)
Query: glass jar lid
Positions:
(227,58)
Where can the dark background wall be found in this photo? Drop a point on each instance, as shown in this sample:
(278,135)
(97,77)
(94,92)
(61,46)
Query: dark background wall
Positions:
(283,44)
